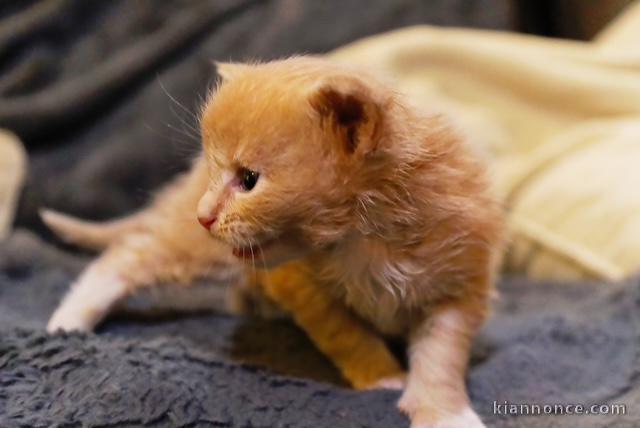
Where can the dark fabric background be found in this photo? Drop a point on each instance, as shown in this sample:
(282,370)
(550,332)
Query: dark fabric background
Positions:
(88,85)
(104,95)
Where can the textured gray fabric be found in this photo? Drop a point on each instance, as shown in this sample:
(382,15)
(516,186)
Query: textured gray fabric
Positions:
(547,343)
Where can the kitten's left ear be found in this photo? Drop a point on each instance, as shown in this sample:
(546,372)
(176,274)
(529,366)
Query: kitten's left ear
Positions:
(227,70)
(354,112)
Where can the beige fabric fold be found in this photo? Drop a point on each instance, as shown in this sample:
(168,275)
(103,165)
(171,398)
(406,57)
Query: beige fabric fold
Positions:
(12,172)
(560,121)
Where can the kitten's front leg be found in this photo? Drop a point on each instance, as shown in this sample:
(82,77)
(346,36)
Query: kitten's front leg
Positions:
(162,243)
(91,296)
(103,283)
(140,260)
(359,352)
(436,395)
(137,260)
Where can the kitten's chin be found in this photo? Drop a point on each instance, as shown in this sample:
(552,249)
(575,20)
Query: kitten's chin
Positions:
(270,254)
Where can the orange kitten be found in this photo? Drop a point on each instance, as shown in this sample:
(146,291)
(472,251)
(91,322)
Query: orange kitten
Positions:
(348,194)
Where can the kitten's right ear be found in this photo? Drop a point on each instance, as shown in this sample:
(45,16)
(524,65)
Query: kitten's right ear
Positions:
(354,111)
(227,70)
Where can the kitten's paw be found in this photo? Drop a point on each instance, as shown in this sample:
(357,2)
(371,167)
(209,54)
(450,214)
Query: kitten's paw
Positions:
(89,300)
(467,418)
(66,320)
(423,416)
(397,382)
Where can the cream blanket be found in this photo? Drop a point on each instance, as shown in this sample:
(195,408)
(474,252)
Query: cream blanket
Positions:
(561,122)
(12,171)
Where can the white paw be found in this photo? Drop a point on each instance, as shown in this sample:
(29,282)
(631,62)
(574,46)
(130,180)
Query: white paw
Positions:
(68,320)
(466,418)
(88,301)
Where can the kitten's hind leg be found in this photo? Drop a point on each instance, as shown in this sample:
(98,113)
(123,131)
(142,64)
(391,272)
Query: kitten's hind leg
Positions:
(88,234)
(172,202)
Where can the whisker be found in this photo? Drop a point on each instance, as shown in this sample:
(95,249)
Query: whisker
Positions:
(189,112)
(186,124)
(186,148)
(264,262)
(189,129)
(169,137)
(194,138)
(253,262)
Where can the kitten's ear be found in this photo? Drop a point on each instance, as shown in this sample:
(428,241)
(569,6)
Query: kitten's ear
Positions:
(353,111)
(227,70)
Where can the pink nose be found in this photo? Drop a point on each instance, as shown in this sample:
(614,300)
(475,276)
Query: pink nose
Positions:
(206,222)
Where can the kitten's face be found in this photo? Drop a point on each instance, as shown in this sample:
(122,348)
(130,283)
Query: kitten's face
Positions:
(281,151)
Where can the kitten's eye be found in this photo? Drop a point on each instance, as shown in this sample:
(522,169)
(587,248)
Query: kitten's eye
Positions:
(248,178)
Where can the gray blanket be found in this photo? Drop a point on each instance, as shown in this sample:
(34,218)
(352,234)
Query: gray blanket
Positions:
(90,88)
(546,344)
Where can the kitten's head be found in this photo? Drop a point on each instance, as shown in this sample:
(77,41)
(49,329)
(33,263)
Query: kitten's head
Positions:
(287,143)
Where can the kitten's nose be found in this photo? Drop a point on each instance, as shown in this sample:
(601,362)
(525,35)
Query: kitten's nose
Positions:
(208,208)
(206,222)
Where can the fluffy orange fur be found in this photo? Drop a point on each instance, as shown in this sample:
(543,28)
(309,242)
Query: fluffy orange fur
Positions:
(372,219)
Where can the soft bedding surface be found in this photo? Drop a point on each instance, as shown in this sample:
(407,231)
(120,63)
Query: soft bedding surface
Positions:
(546,344)
(102,94)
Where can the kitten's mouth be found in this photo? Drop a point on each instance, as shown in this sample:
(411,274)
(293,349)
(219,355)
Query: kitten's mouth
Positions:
(253,251)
